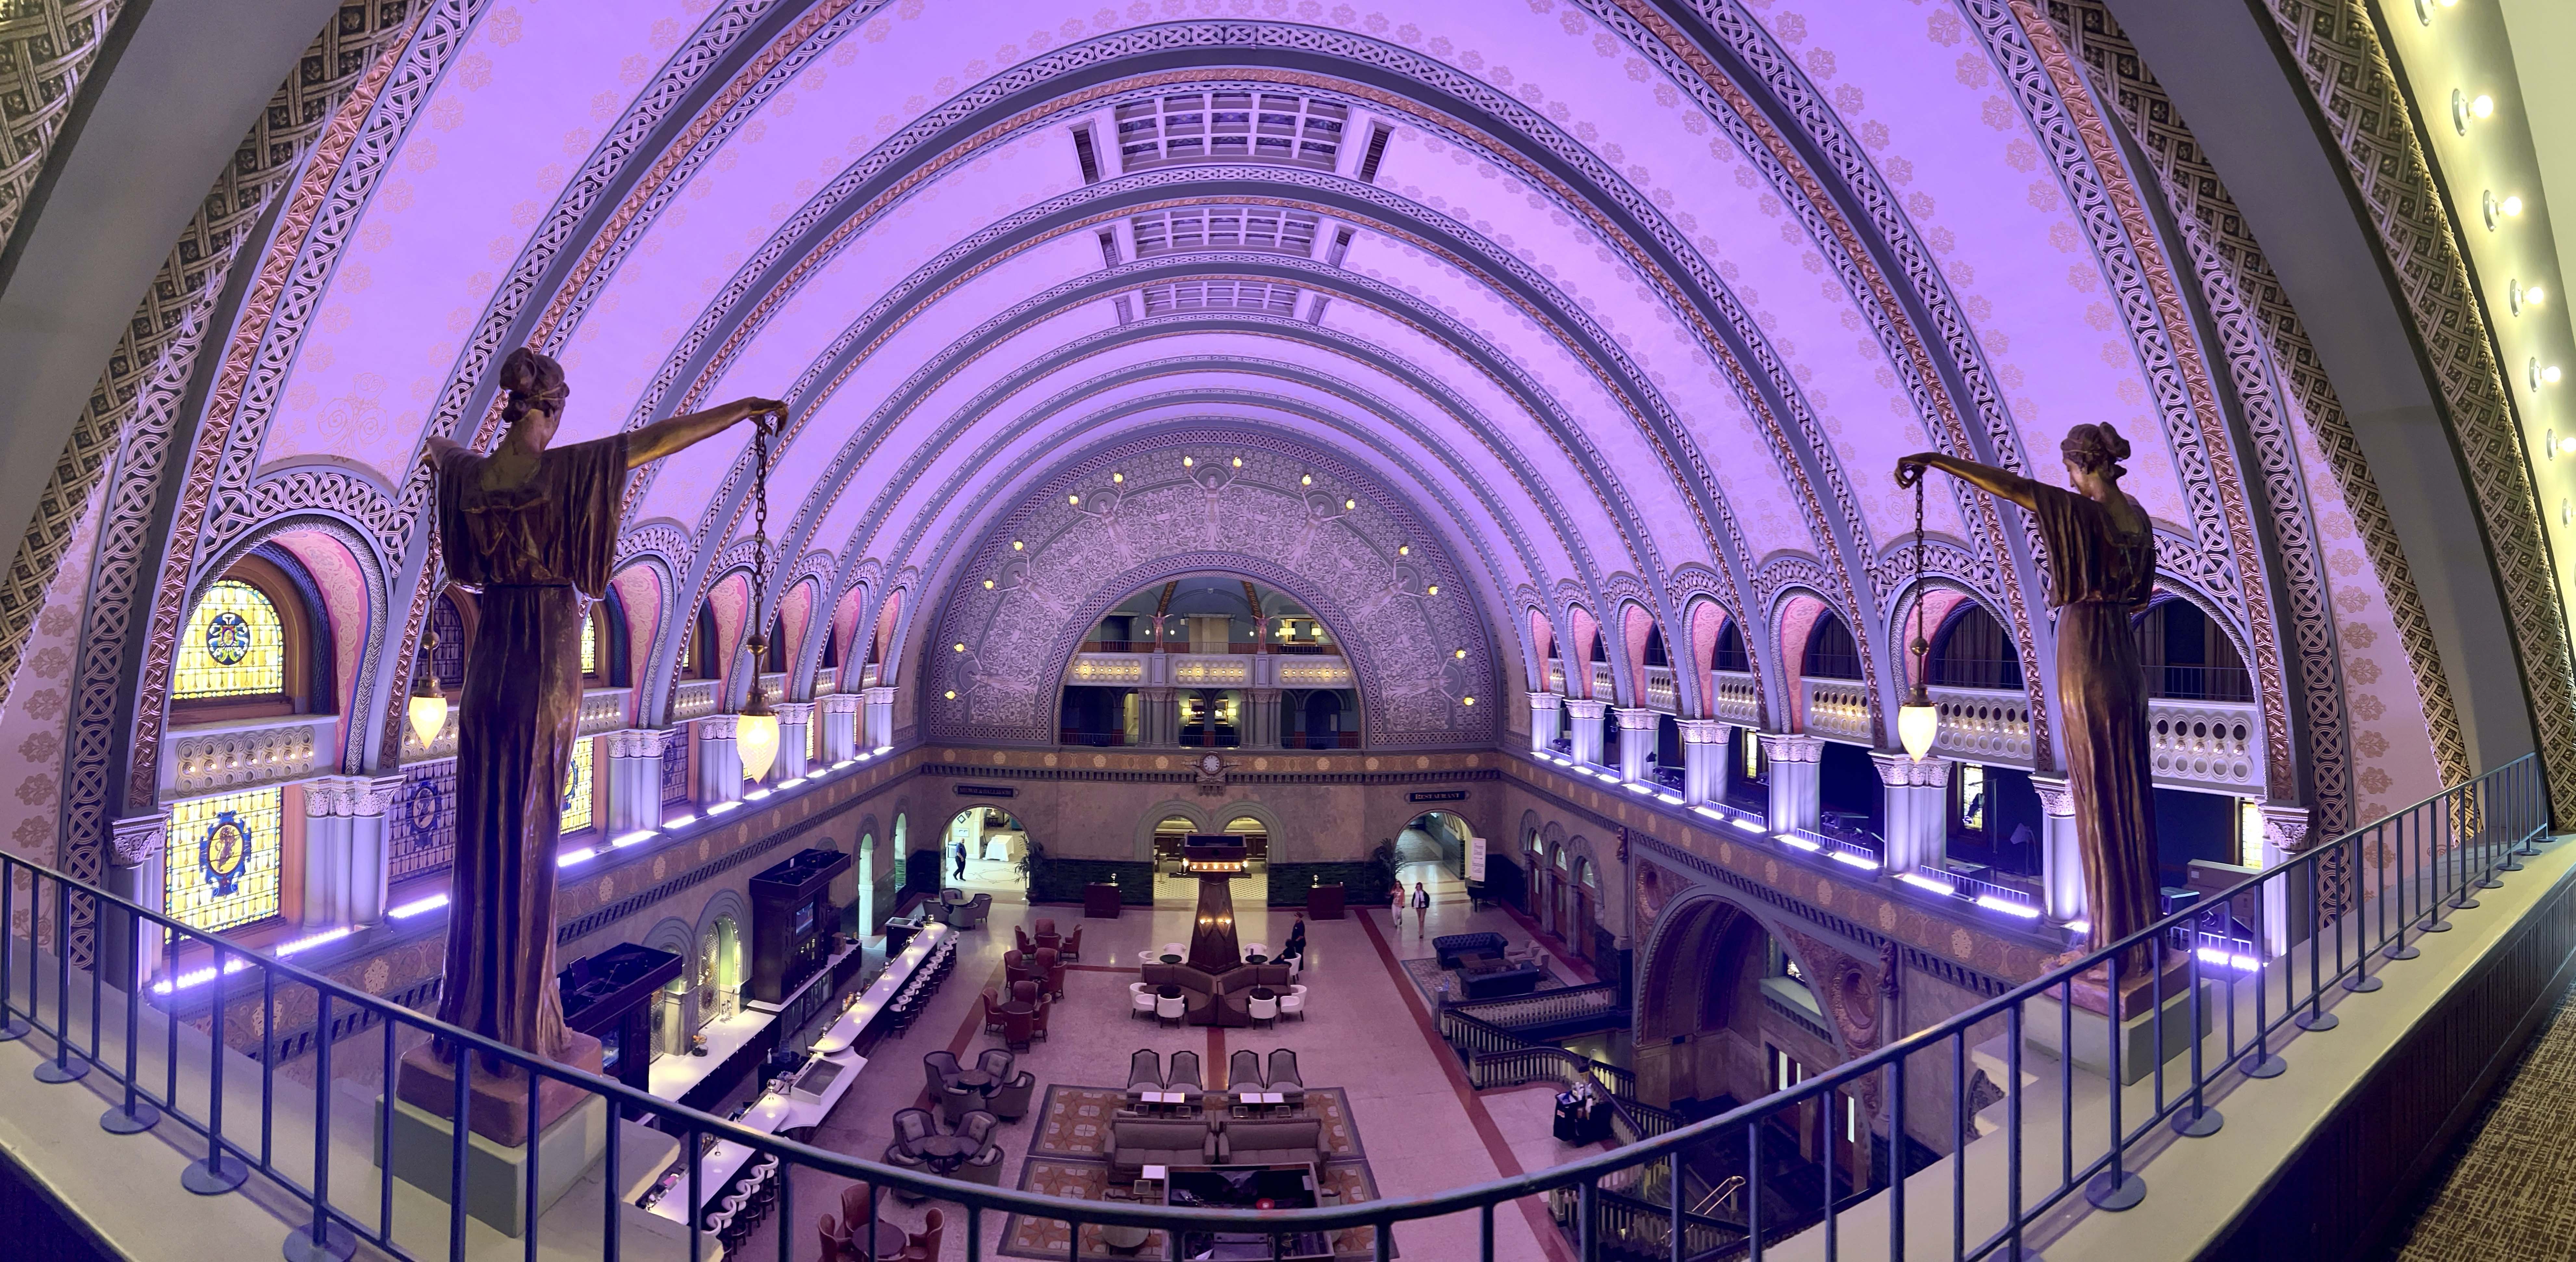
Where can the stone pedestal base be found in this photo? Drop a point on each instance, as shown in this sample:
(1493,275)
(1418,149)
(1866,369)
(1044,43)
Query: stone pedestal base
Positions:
(2043,1026)
(419,1148)
(496,1104)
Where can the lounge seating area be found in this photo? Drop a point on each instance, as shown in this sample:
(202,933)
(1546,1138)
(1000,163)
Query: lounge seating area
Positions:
(1172,1119)
(859,1233)
(1489,967)
(1201,997)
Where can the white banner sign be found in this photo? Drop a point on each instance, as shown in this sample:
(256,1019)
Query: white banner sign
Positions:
(1475,860)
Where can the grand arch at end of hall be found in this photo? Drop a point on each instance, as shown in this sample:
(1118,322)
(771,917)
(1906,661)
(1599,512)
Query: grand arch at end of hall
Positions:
(1335,539)
(1211,816)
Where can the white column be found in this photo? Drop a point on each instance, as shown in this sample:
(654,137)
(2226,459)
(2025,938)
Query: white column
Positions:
(840,726)
(1584,717)
(330,808)
(2061,856)
(1636,740)
(795,736)
(719,778)
(1703,761)
(635,780)
(1793,761)
(1918,810)
(2285,902)
(139,850)
(1547,711)
(371,850)
(1261,731)
(879,730)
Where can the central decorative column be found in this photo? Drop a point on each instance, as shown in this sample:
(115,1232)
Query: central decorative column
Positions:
(1162,711)
(2061,855)
(1584,715)
(718,763)
(1795,761)
(1547,712)
(1636,740)
(1213,946)
(1918,810)
(795,736)
(1703,761)
(840,726)
(635,780)
(345,849)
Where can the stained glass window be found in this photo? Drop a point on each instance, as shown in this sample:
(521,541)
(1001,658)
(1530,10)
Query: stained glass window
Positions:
(234,645)
(576,800)
(221,866)
(590,644)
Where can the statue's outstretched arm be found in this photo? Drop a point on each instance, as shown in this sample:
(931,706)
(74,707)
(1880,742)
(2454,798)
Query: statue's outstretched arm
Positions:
(662,438)
(2001,483)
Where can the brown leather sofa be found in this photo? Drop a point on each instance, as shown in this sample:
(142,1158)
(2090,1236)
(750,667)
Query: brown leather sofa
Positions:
(1277,1141)
(1229,993)
(1136,1142)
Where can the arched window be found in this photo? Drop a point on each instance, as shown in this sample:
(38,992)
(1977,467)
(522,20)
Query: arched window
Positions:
(775,660)
(1831,652)
(590,644)
(1970,650)
(1730,649)
(2188,657)
(234,647)
(700,654)
(1655,655)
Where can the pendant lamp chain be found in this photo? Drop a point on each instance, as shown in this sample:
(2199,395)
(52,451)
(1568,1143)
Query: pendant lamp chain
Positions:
(1918,722)
(756,728)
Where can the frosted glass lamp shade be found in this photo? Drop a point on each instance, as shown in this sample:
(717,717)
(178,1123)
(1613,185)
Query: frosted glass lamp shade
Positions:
(428,717)
(755,737)
(1917,723)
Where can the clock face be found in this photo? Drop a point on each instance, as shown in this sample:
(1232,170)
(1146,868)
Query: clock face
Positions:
(1211,764)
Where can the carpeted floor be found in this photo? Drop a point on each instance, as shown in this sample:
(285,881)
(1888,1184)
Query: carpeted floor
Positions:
(2505,1192)
(1065,1159)
(1427,976)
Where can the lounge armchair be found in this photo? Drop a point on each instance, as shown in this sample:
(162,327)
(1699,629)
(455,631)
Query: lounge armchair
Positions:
(956,1101)
(984,1167)
(925,1247)
(1010,1101)
(1021,936)
(1038,1018)
(992,1011)
(940,1068)
(856,1205)
(958,915)
(1184,1072)
(1017,1029)
(1518,979)
(1529,952)
(1050,967)
(1293,1004)
(1072,948)
(1047,938)
(983,905)
(1243,1071)
(1144,1073)
(1140,999)
(1283,1078)
(978,1126)
(902,1158)
(995,1064)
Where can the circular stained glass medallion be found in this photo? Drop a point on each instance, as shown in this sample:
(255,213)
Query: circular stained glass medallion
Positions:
(228,638)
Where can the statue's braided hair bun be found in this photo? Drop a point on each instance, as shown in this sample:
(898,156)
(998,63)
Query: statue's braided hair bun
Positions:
(530,378)
(2092,447)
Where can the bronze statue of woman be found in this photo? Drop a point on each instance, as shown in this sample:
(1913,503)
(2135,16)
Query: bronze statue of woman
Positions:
(535,527)
(2102,563)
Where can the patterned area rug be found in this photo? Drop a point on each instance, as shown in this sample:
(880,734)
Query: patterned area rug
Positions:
(2505,1193)
(1427,976)
(1065,1159)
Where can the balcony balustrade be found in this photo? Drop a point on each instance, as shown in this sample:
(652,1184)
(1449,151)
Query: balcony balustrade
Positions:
(1739,700)
(1838,707)
(1208,670)
(221,757)
(696,699)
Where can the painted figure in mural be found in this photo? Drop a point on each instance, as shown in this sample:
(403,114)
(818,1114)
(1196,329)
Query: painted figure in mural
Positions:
(2102,562)
(536,528)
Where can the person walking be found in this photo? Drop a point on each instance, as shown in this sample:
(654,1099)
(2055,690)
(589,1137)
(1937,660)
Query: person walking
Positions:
(957,849)
(1421,908)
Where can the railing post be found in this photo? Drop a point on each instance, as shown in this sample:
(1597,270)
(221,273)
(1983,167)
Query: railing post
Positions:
(2196,1120)
(135,1114)
(2316,1018)
(63,1067)
(2117,1188)
(321,1240)
(220,1172)
(11,1028)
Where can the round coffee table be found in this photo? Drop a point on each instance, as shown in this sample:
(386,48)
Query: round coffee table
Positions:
(889,1241)
(973,1080)
(944,1153)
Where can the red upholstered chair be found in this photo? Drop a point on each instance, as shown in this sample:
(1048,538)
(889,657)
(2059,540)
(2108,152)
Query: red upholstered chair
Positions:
(1017,1027)
(1026,947)
(1072,948)
(1020,966)
(992,1011)
(856,1211)
(925,1247)
(1038,1019)
(1024,991)
(1051,966)
(835,1239)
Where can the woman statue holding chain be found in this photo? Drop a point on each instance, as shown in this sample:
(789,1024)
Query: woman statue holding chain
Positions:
(2102,568)
(535,527)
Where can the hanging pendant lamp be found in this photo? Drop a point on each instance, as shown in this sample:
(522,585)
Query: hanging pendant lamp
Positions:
(428,704)
(1918,724)
(755,733)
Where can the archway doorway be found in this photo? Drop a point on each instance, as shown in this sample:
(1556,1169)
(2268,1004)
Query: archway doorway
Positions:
(994,841)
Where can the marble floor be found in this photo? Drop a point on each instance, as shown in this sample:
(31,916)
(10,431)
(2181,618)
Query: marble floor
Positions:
(1367,1031)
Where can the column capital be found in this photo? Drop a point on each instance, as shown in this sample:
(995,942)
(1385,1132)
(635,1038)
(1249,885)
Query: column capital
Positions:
(839,702)
(328,796)
(1586,707)
(138,839)
(1791,746)
(638,742)
(878,694)
(714,727)
(794,712)
(1545,700)
(1898,771)
(2285,827)
(1637,720)
(2056,796)
(1702,731)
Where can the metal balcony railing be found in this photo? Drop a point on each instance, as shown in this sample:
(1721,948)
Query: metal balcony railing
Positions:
(2000,1157)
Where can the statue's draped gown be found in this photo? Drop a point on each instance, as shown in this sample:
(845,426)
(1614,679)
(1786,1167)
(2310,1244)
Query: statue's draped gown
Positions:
(2101,574)
(536,549)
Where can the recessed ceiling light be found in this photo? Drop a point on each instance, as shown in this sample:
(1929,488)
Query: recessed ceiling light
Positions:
(1350,504)
(1188,462)
(1073,499)
(988,584)
(1117,477)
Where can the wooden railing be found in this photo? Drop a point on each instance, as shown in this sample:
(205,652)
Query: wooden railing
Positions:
(1547,1007)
